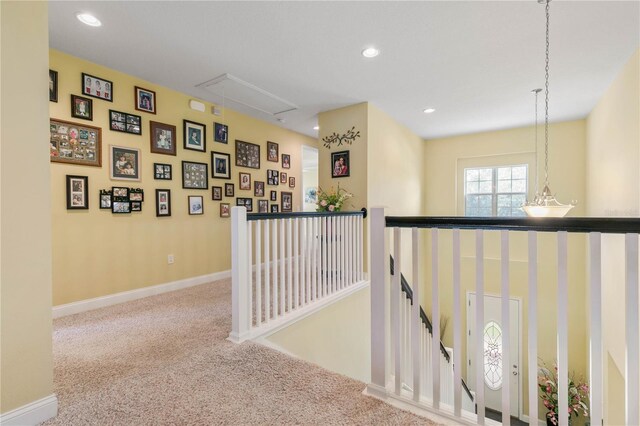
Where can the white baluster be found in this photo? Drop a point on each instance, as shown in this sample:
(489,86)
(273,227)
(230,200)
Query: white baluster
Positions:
(296,263)
(563,335)
(307,255)
(632,368)
(479,355)
(240,308)
(416,322)
(343,245)
(258,272)
(289,266)
(396,294)
(267,272)
(457,324)
(303,258)
(435,318)
(250,270)
(533,325)
(378,274)
(314,245)
(325,243)
(334,263)
(595,329)
(506,360)
(274,251)
(282,273)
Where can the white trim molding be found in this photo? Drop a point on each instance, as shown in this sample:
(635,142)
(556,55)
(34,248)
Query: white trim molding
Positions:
(33,413)
(127,296)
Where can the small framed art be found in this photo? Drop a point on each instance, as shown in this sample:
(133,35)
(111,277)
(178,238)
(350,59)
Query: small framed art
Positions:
(340,164)
(163,138)
(123,122)
(195,175)
(245,181)
(81,107)
(225,210)
(273,177)
(136,194)
(247,155)
(196,205)
(121,207)
(136,206)
(216,193)
(145,100)
(263,206)
(220,132)
(220,165)
(120,193)
(97,87)
(125,163)
(258,189)
(53,86)
(229,190)
(77,192)
(163,202)
(75,143)
(286,201)
(274,208)
(105,199)
(292,182)
(194,135)
(286,161)
(274,196)
(283,178)
(272,151)
(245,202)
(161,171)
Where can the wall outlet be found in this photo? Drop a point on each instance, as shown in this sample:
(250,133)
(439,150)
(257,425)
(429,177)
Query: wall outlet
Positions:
(170,259)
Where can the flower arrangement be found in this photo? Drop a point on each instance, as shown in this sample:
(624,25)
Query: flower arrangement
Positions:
(548,385)
(332,201)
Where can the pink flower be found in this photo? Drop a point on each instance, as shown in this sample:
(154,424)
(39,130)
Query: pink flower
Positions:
(331,208)
(323,203)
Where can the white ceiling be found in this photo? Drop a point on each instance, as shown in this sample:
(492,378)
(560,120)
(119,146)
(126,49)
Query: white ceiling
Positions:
(476,62)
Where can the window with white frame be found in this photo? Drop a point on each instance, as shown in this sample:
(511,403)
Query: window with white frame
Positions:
(495,191)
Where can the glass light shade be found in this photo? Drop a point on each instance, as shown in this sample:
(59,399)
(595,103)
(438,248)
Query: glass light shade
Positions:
(546,205)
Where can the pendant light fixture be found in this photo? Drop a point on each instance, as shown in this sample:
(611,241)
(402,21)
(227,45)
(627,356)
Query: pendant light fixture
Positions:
(545,204)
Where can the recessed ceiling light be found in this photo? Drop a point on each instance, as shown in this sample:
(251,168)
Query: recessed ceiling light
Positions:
(316,127)
(429,110)
(370,52)
(89,19)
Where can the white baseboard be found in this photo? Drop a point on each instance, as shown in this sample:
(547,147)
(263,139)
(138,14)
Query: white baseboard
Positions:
(127,296)
(33,413)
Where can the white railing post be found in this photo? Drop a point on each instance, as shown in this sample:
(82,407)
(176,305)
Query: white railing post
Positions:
(595,329)
(435,319)
(378,305)
(479,355)
(533,326)
(240,307)
(563,330)
(506,329)
(457,321)
(632,368)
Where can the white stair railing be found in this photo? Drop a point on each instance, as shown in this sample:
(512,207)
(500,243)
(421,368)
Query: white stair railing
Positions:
(286,265)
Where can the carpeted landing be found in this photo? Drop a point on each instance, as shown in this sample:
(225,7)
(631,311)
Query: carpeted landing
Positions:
(165,360)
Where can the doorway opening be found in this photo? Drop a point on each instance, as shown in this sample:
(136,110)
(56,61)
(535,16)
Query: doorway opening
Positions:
(309,178)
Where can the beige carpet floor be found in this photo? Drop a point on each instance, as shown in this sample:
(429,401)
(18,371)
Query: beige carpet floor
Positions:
(164,360)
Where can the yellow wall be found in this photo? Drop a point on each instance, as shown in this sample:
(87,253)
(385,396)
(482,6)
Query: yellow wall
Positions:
(95,252)
(613,183)
(26,372)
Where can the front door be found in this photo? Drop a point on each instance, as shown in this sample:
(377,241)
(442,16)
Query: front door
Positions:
(492,342)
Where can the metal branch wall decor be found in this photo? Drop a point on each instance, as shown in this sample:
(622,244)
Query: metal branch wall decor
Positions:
(338,140)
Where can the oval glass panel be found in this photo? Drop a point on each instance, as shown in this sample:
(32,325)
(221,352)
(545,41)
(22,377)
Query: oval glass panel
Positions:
(493,355)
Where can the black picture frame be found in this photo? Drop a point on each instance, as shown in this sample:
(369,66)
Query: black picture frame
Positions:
(53,86)
(162,171)
(229,190)
(136,194)
(220,165)
(97,87)
(121,207)
(286,202)
(273,177)
(286,161)
(225,210)
(220,133)
(145,100)
(247,154)
(194,136)
(124,122)
(340,164)
(136,206)
(77,192)
(105,199)
(119,193)
(163,138)
(195,175)
(81,107)
(272,152)
(216,193)
(274,196)
(196,205)
(163,202)
(258,188)
(124,163)
(274,208)
(246,203)
(263,206)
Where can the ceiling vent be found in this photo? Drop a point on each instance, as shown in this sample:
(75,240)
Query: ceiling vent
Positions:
(231,88)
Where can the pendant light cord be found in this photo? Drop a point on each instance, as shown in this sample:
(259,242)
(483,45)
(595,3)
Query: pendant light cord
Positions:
(546,105)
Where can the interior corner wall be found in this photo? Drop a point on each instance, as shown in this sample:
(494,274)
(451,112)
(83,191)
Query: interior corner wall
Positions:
(26,365)
(613,184)
(98,253)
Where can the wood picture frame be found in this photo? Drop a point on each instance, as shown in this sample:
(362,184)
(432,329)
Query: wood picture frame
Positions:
(263,206)
(220,133)
(163,138)
(244,181)
(229,190)
(195,175)
(216,193)
(124,163)
(225,210)
(81,107)
(220,165)
(145,100)
(258,188)
(53,86)
(125,122)
(283,178)
(286,202)
(162,171)
(163,202)
(194,136)
(247,154)
(286,161)
(97,87)
(75,143)
(272,152)
(196,205)
(340,164)
(77,192)
(292,182)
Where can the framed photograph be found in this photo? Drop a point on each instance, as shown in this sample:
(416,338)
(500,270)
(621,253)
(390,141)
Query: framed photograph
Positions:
(283,178)
(97,87)
(77,192)
(245,181)
(163,202)
(75,143)
(258,189)
(247,155)
(229,190)
(216,193)
(121,207)
(286,161)
(105,199)
(292,182)
(274,208)
(194,135)
(220,165)
(163,138)
(225,210)
(220,132)
(263,206)
(196,204)
(245,202)
(81,107)
(136,194)
(125,163)
(120,193)
(136,206)
(161,171)
(273,177)
(145,100)
(286,201)
(53,86)
(340,164)
(274,196)
(195,175)
(123,122)
(272,152)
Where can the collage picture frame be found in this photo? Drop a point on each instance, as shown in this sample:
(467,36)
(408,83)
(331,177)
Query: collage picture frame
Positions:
(195,175)
(125,122)
(97,87)
(163,202)
(75,143)
(247,154)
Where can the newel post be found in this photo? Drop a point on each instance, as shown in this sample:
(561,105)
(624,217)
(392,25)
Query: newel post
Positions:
(240,307)
(378,305)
